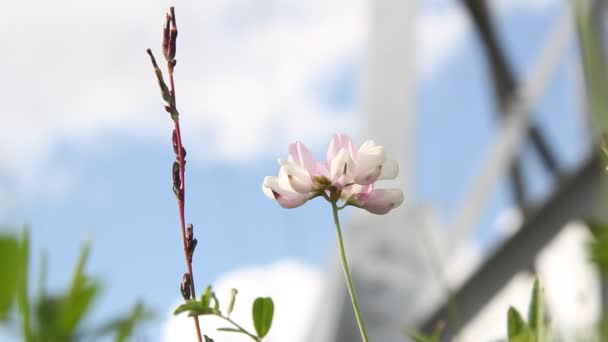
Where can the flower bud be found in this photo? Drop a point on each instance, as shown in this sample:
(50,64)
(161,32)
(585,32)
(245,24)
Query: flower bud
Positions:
(186,286)
(379,201)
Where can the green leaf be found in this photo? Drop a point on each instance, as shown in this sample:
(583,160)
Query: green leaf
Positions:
(81,296)
(263,310)
(193,307)
(226,329)
(233,294)
(206,297)
(515,323)
(123,327)
(22,284)
(536,312)
(524,336)
(598,247)
(216,303)
(207,338)
(9,269)
(190,305)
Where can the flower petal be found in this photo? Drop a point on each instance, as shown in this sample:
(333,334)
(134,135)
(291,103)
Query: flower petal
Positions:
(355,190)
(369,163)
(381,201)
(322,169)
(270,183)
(390,169)
(291,202)
(338,142)
(341,169)
(300,155)
(298,176)
(274,187)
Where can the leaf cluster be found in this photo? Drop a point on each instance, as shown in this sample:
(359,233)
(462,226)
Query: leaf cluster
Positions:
(262,313)
(535,329)
(58,316)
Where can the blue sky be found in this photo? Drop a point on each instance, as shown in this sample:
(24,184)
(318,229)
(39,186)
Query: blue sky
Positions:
(109,178)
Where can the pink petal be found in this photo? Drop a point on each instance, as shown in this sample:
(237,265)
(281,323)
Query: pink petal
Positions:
(338,142)
(341,169)
(274,188)
(381,201)
(359,191)
(291,202)
(300,155)
(298,176)
(322,169)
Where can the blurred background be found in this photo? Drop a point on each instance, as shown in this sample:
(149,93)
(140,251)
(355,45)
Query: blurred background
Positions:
(482,102)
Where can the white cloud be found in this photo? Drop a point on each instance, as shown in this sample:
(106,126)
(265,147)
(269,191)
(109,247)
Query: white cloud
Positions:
(440,32)
(294,288)
(247,78)
(250,75)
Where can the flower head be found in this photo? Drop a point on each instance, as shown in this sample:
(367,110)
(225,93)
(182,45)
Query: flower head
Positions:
(348,174)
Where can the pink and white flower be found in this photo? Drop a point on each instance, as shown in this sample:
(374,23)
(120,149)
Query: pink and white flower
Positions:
(348,174)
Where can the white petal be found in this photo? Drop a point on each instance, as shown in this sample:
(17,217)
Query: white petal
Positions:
(299,177)
(287,198)
(381,201)
(341,168)
(284,182)
(390,169)
(269,181)
(369,164)
(367,145)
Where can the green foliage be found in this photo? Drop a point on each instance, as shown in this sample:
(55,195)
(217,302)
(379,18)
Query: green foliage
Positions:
(263,311)
(594,66)
(200,307)
(515,324)
(234,330)
(22,285)
(59,316)
(78,301)
(435,336)
(598,247)
(233,294)
(535,329)
(194,308)
(9,268)
(123,327)
(536,312)
(208,304)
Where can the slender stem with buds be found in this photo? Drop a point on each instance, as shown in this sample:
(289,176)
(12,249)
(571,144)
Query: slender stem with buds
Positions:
(181,208)
(349,281)
(188,288)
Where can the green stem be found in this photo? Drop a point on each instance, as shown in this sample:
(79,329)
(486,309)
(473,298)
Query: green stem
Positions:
(349,281)
(239,327)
